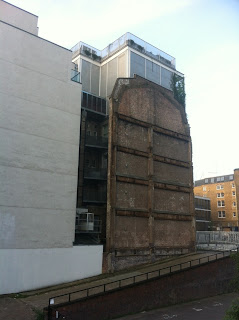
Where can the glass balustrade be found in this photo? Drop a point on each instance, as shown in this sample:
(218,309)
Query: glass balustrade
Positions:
(128,39)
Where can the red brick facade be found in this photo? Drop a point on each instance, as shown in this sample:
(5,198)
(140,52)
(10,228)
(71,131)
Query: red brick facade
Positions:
(150,211)
(223,192)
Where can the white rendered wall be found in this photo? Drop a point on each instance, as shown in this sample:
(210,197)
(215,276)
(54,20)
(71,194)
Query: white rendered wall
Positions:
(39,129)
(40,110)
(28,269)
(18,17)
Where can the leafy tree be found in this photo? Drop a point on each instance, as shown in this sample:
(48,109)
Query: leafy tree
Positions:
(177,85)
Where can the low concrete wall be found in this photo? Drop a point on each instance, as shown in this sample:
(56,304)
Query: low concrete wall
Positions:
(195,283)
(28,269)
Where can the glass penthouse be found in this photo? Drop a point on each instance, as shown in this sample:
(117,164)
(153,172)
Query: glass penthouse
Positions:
(125,57)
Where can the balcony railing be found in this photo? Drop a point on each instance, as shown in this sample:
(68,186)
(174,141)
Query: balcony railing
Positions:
(83,226)
(93,173)
(93,103)
(203,215)
(127,39)
(98,142)
(75,75)
(94,196)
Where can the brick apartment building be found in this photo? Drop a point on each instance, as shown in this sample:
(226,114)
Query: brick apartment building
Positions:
(223,192)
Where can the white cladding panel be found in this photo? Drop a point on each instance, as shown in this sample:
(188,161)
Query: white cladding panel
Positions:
(18,17)
(39,127)
(29,269)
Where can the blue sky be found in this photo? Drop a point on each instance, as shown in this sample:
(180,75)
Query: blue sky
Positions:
(203,36)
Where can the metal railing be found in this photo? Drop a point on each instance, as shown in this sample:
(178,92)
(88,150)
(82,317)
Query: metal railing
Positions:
(83,226)
(129,281)
(75,76)
(95,195)
(126,39)
(92,173)
(227,237)
(96,141)
(94,103)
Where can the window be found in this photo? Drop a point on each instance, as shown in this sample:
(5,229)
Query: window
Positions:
(95,133)
(206,180)
(233,185)
(103,105)
(77,221)
(222,178)
(218,178)
(204,188)
(233,193)
(88,133)
(212,180)
(94,103)
(84,100)
(221,203)
(231,177)
(93,163)
(94,107)
(220,195)
(234,204)
(220,186)
(234,214)
(105,130)
(90,98)
(221,214)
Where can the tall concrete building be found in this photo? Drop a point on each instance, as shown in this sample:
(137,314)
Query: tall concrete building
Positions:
(39,127)
(223,191)
(149,199)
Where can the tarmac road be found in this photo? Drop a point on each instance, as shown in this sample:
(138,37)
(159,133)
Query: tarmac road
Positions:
(213,308)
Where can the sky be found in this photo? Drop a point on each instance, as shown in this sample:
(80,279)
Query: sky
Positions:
(203,36)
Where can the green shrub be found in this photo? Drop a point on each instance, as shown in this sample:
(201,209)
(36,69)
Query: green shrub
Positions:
(233,312)
(39,314)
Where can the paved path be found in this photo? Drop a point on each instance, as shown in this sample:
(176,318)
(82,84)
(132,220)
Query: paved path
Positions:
(20,306)
(15,309)
(213,308)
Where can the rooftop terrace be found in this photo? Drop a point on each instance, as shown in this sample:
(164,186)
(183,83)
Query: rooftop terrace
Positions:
(128,39)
